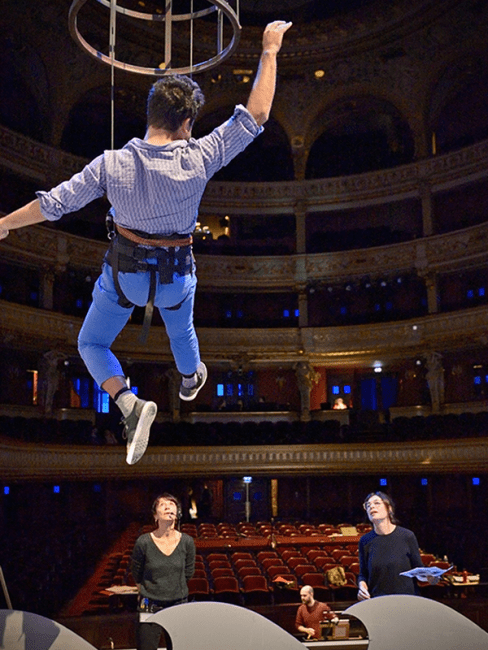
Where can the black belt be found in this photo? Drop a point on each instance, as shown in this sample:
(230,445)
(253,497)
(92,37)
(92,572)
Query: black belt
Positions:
(127,256)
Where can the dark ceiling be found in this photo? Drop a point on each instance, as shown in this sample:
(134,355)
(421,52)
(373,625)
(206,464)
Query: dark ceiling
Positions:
(260,12)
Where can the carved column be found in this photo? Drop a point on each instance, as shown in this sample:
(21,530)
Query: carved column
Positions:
(427,218)
(306,377)
(49,376)
(47,288)
(174,381)
(435,379)
(302,308)
(300,211)
(430,279)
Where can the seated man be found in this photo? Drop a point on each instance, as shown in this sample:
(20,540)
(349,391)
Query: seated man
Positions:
(311,613)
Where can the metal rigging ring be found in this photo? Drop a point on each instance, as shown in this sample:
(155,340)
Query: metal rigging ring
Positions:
(168,18)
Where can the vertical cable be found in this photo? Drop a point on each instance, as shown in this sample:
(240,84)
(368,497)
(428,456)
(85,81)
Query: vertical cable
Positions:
(168,18)
(191,39)
(113,14)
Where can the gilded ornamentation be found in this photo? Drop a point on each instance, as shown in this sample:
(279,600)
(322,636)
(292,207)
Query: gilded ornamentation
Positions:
(31,462)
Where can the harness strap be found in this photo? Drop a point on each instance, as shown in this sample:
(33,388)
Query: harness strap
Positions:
(149,309)
(125,255)
(154,240)
(113,260)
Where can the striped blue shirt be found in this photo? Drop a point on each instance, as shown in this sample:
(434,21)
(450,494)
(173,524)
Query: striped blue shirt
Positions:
(156,189)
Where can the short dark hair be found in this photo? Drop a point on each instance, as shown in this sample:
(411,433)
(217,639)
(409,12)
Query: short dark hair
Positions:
(167,497)
(387,500)
(172,100)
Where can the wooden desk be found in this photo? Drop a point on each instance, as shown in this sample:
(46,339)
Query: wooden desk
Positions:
(356,644)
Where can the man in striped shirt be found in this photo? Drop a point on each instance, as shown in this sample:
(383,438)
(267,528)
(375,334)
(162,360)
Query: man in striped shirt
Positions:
(154,186)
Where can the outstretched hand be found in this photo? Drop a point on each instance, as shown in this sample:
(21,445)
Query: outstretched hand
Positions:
(273,35)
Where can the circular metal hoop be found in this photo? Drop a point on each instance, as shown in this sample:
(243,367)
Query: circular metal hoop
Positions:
(168,18)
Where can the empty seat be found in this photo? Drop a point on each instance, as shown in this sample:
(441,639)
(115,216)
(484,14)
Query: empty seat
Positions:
(217,556)
(294,561)
(249,571)
(354,568)
(305,568)
(313,579)
(287,553)
(226,589)
(266,554)
(273,571)
(337,553)
(219,564)
(222,571)
(240,563)
(256,590)
(314,553)
(272,561)
(238,555)
(199,588)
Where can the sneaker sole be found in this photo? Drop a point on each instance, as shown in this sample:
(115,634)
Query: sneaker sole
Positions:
(138,446)
(202,368)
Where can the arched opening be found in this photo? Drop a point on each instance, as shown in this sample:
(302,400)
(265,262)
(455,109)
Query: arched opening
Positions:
(88,130)
(359,135)
(268,158)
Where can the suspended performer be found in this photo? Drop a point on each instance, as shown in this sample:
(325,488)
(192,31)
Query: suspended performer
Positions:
(154,187)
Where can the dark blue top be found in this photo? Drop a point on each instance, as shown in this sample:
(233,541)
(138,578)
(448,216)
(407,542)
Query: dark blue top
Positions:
(383,557)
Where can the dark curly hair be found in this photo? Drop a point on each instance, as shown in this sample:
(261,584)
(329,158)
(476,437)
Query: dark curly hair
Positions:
(172,100)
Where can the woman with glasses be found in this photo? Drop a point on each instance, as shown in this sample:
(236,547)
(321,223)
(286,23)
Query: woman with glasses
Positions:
(385,552)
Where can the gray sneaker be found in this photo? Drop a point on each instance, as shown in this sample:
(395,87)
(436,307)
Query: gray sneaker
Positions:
(188,394)
(137,427)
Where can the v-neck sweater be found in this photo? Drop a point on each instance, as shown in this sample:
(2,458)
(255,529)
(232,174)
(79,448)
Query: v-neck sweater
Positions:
(163,577)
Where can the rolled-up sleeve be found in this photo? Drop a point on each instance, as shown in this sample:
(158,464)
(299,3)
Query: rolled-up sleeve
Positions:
(71,195)
(227,140)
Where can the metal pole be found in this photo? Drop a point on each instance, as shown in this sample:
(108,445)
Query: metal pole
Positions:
(5,590)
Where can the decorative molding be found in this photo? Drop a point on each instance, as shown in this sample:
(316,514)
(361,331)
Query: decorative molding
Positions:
(466,248)
(329,194)
(41,162)
(38,329)
(24,461)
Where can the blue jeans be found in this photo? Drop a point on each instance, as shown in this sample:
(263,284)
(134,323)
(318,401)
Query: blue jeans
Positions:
(106,319)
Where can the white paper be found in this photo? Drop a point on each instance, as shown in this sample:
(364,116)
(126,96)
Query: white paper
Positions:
(122,589)
(422,573)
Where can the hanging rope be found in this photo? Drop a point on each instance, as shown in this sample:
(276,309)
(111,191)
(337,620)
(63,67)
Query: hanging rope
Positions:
(113,18)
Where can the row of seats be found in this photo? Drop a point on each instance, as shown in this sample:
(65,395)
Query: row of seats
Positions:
(266,529)
(364,426)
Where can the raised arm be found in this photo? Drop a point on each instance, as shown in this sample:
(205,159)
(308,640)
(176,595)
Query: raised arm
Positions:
(263,90)
(25,216)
